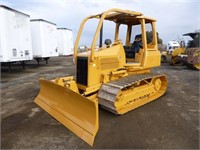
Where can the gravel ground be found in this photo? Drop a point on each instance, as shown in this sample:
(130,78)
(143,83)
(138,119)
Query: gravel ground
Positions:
(171,122)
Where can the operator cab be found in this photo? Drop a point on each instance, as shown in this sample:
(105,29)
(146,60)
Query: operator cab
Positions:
(137,34)
(129,30)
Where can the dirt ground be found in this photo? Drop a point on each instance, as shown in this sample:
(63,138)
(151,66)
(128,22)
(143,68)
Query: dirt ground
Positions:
(171,122)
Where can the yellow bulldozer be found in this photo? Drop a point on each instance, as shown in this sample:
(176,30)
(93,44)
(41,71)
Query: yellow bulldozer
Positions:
(105,76)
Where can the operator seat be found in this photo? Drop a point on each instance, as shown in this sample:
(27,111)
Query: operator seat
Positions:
(134,48)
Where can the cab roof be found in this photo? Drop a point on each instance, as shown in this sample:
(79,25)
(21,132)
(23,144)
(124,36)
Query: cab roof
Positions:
(124,16)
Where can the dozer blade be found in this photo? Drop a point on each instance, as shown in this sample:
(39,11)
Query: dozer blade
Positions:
(77,113)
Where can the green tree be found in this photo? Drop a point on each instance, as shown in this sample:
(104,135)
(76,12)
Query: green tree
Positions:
(150,36)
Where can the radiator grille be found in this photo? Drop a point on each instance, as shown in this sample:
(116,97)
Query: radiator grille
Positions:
(82,70)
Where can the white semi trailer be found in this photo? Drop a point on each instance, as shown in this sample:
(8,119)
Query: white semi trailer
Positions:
(44,39)
(15,36)
(65,41)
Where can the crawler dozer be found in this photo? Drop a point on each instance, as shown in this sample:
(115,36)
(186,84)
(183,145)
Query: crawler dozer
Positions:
(105,76)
